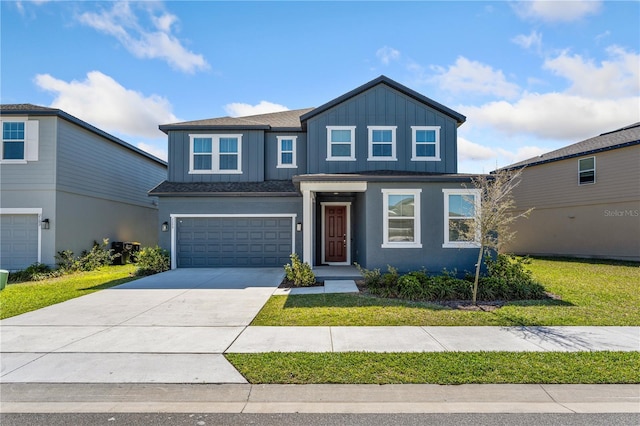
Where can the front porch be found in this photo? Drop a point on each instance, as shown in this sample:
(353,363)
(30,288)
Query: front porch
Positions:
(349,272)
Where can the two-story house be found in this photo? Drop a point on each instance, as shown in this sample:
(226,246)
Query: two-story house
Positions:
(586,199)
(369,177)
(65,184)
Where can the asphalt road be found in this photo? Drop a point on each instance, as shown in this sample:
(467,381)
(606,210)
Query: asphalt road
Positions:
(166,419)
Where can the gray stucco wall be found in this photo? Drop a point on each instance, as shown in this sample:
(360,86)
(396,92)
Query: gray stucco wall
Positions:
(432,255)
(381,106)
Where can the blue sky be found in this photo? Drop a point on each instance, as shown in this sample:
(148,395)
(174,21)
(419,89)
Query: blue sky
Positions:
(530,76)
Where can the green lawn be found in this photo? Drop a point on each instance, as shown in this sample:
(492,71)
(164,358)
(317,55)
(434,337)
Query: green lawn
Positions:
(439,367)
(591,292)
(19,298)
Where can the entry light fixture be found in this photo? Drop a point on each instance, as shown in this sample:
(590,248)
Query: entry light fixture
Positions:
(299,226)
(165,226)
(45,224)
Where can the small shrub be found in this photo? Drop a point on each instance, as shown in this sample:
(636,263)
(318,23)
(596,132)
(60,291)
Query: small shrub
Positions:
(372,278)
(410,287)
(152,260)
(66,261)
(34,272)
(299,273)
(97,257)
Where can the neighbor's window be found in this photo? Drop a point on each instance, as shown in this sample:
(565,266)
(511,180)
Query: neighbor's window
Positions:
(382,143)
(401,218)
(287,151)
(215,154)
(13,140)
(425,143)
(460,208)
(587,170)
(341,143)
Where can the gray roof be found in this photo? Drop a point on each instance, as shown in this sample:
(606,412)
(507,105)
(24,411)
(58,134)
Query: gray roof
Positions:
(37,110)
(283,120)
(394,85)
(625,136)
(266,188)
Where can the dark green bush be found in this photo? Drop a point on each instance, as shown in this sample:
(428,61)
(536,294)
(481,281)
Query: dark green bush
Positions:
(507,279)
(152,260)
(34,272)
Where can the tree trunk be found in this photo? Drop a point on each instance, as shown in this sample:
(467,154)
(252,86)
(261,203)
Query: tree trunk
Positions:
(475,282)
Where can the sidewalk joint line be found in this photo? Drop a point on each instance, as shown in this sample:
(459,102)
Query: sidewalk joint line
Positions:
(554,400)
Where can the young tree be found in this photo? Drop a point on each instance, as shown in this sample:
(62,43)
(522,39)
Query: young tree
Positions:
(494,214)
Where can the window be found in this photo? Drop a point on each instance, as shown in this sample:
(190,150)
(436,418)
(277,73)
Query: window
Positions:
(401,218)
(341,143)
(586,170)
(287,151)
(13,140)
(425,143)
(460,207)
(219,154)
(382,143)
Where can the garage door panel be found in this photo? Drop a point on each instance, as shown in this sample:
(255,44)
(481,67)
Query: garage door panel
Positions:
(256,241)
(19,246)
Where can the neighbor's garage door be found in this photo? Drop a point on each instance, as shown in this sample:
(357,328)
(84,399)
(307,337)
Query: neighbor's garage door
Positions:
(205,242)
(19,240)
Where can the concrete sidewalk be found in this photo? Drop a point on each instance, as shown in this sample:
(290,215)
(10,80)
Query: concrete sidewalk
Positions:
(436,339)
(185,398)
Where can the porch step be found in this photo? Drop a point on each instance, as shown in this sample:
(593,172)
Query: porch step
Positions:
(324,273)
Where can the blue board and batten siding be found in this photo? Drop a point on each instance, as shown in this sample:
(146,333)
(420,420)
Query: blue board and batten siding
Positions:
(272,172)
(252,157)
(381,106)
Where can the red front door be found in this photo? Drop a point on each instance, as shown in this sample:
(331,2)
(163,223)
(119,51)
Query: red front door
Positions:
(335,234)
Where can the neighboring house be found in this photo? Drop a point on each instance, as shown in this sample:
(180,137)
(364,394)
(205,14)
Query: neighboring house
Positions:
(65,184)
(369,178)
(586,198)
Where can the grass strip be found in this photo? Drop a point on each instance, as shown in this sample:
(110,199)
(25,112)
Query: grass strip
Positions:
(591,292)
(19,298)
(439,367)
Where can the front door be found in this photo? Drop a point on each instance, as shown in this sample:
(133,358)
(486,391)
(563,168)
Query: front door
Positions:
(335,234)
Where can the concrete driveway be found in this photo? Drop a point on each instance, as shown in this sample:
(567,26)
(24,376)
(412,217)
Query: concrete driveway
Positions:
(168,328)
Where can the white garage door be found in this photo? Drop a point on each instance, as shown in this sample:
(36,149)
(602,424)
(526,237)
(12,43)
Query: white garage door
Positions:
(205,242)
(19,240)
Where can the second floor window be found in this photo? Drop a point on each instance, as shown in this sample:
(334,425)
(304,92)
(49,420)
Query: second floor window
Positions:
(382,143)
(13,140)
(587,170)
(425,143)
(287,151)
(341,143)
(216,154)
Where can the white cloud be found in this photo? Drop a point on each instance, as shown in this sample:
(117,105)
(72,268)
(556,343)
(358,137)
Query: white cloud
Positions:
(522,153)
(556,11)
(103,102)
(556,115)
(158,42)
(474,77)
(157,151)
(616,77)
(468,150)
(387,54)
(238,109)
(533,40)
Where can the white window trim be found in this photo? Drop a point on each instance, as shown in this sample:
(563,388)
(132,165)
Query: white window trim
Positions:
(417,243)
(175,216)
(31,139)
(352,143)
(294,150)
(464,192)
(215,152)
(393,143)
(414,156)
(587,170)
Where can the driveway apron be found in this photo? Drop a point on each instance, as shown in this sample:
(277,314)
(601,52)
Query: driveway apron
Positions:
(167,328)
